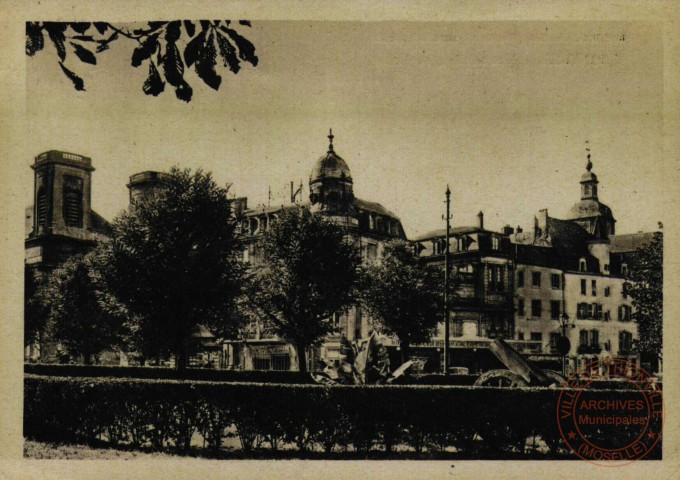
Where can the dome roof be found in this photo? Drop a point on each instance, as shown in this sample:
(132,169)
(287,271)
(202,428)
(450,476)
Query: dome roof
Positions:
(589,208)
(330,166)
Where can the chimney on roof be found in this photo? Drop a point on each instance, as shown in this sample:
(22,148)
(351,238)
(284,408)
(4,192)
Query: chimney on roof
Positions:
(481,220)
(519,229)
(508,230)
(543,221)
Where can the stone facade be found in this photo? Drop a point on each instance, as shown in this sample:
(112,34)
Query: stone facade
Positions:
(570,277)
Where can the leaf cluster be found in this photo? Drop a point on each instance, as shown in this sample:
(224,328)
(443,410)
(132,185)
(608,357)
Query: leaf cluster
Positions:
(405,296)
(173,261)
(307,273)
(81,314)
(645,287)
(167,46)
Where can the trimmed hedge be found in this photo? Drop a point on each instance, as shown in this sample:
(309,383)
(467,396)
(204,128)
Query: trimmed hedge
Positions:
(165,415)
(203,374)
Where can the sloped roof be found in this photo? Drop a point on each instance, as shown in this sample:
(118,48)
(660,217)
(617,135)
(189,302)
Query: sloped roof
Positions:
(565,244)
(629,242)
(375,208)
(100,224)
(202,332)
(441,232)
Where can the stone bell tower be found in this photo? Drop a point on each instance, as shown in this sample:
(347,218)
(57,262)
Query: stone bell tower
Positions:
(62,216)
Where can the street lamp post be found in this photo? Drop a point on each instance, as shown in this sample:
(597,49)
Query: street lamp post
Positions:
(446,284)
(564,345)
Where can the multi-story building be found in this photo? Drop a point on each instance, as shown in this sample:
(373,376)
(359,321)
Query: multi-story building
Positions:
(368,224)
(528,287)
(482,267)
(569,280)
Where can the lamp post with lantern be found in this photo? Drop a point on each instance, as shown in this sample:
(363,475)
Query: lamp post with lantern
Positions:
(563,344)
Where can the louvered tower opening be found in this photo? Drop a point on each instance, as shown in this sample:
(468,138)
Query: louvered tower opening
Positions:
(73,207)
(42,208)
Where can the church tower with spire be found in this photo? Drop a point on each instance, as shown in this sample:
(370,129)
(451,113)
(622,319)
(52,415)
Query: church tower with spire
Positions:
(591,214)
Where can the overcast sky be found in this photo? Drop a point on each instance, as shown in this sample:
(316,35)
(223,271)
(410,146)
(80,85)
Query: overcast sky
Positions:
(500,111)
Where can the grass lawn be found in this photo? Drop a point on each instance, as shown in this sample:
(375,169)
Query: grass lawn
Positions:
(46,451)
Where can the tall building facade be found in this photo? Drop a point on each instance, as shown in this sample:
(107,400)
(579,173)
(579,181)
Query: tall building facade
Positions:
(570,280)
(368,224)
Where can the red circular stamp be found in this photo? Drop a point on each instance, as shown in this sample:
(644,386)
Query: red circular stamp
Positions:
(611,427)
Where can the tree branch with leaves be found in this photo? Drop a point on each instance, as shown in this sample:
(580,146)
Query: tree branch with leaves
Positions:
(645,287)
(405,296)
(307,273)
(167,47)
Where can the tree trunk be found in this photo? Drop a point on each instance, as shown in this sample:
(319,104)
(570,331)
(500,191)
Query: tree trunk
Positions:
(302,357)
(181,354)
(405,350)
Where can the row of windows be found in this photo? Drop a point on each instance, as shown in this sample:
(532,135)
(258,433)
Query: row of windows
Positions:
(537,308)
(555,283)
(555,280)
(590,311)
(587,339)
(593,289)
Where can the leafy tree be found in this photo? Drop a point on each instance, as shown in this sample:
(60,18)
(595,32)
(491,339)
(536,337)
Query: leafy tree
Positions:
(306,274)
(174,266)
(404,295)
(645,287)
(157,44)
(36,310)
(78,317)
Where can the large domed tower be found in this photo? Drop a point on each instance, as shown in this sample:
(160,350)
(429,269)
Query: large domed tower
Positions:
(594,216)
(331,189)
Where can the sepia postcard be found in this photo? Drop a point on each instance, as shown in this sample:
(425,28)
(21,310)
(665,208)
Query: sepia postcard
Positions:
(302,239)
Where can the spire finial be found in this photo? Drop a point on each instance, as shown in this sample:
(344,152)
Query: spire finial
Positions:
(330,139)
(589,165)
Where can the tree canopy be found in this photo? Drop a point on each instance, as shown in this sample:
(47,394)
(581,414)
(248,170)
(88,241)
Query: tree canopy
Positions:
(156,44)
(306,273)
(76,301)
(173,264)
(36,309)
(405,296)
(645,287)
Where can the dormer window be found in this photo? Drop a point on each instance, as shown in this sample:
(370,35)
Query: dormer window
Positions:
(495,243)
(582,267)
(624,269)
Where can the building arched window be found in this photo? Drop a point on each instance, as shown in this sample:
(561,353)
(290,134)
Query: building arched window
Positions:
(582,266)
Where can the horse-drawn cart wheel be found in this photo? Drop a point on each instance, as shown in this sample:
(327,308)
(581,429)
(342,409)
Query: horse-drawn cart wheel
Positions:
(500,378)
